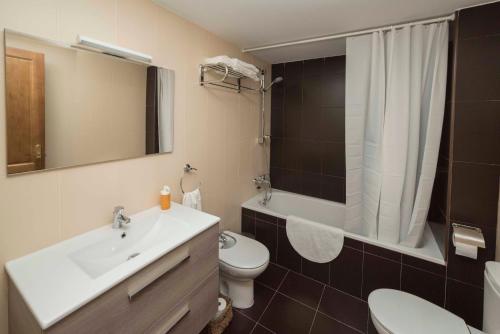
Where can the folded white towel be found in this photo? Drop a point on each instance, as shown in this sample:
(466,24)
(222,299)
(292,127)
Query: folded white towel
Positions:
(245,68)
(314,241)
(192,199)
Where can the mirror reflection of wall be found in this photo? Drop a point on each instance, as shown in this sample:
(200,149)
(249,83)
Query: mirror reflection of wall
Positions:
(68,107)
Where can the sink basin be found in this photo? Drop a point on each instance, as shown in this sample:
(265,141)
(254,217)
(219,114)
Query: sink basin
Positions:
(118,246)
(57,280)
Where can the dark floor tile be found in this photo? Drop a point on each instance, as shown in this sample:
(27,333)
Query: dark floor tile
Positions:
(266,234)
(303,289)
(325,325)
(318,271)
(287,256)
(272,276)
(262,296)
(286,316)
(347,271)
(380,273)
(423,284)
(239,325)
(466,301)
(371,327)
(261,330)
(344,308)
(383,252)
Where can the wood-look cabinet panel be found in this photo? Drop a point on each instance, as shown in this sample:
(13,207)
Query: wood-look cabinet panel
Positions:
(137,304)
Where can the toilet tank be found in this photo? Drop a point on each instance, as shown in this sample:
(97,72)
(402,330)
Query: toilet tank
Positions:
(491,318)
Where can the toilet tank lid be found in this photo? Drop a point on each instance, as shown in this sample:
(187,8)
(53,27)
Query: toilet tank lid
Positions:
(401,312)
(493,272)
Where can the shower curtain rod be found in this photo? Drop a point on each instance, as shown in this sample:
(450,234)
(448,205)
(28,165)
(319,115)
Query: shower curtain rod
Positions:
(450,17)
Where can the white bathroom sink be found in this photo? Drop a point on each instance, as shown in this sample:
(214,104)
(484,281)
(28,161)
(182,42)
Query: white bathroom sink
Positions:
(57,280)
(117,246)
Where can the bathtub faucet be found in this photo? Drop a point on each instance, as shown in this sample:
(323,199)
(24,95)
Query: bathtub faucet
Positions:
(264,182)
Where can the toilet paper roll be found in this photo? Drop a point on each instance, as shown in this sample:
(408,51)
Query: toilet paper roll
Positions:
(466,250)
(221,308)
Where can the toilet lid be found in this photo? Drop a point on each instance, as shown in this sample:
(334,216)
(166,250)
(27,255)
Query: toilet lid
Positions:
(402,313)
(245,254)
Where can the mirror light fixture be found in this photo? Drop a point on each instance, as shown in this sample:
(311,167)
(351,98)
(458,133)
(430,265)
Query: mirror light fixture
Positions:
(117,51)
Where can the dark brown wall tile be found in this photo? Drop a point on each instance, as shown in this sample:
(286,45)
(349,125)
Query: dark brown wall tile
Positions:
(380,273)
(477,134)
(311,184)
(479,21)
(477,76)
(383,252)
(267,234)
(353,243)
(318,271)
(433,268)
(347,271)
(468,270)
(248,225)
(474,194)
(266,218)
(423,284)
(333,188)
(308,128)
(466,301)
(287,256)
(334,159)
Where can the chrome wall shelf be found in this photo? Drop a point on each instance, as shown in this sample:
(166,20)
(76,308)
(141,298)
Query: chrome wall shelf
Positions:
(231,79)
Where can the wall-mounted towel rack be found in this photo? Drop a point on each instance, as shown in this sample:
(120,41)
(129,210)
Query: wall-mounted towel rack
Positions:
(227,73)
(188,169)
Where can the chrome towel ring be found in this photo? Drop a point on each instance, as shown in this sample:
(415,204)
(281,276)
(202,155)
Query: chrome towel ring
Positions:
(188,169)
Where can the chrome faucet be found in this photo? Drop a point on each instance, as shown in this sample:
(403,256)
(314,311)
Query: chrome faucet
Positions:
(264,181)
(119,217)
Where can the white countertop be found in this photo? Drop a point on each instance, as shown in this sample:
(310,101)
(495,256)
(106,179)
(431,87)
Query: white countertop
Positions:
(53,285)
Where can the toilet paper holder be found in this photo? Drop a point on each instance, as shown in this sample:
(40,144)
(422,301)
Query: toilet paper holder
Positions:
(472,236)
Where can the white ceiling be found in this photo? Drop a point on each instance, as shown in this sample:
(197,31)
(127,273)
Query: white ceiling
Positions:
(250,23)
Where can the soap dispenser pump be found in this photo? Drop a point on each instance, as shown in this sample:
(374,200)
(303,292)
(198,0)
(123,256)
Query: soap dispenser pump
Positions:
(165,198)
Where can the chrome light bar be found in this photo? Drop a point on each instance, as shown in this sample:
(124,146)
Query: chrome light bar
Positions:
(111,49)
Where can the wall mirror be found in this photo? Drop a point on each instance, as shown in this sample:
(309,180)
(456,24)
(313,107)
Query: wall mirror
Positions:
(67,107)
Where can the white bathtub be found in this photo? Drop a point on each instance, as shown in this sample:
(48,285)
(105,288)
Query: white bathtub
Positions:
(331,213)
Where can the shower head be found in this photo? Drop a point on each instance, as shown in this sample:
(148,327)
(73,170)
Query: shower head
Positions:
(276,80)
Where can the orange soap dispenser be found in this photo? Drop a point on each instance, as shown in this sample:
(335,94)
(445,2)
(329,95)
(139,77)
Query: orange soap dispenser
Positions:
(165,198)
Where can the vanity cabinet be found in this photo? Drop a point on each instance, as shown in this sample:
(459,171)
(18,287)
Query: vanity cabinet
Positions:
(175,294)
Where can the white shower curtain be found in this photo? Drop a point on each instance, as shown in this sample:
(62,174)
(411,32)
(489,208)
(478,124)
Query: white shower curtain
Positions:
(395,95)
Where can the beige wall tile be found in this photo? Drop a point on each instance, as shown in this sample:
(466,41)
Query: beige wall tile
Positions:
(215,131)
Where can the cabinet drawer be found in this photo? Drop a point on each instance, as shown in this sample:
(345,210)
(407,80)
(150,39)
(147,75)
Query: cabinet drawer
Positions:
(191,314)
(138,302)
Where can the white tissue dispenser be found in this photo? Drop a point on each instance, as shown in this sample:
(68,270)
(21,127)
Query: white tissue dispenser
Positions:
(467,240)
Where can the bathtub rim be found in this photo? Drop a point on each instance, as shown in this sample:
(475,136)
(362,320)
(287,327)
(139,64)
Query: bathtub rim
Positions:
(431,251)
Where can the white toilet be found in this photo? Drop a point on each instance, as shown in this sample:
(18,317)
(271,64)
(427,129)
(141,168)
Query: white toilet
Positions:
(398,312)
(241,260)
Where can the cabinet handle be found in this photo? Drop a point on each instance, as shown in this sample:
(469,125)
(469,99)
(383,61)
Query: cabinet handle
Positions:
(170,263)
(173,320)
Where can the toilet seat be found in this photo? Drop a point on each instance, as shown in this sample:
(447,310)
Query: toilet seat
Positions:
(245,254)
(398,312)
